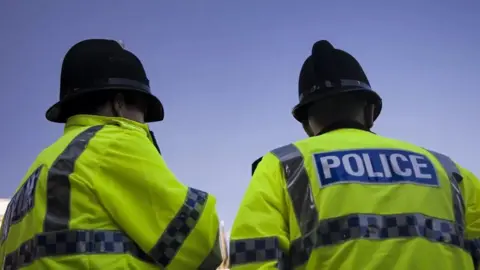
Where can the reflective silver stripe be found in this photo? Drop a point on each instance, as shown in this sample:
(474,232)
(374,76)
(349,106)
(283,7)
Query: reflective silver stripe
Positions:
(255,250)
(57,217)
(180,227)
(375,227)
(458,204)
(214,258)
(455,178)
(78,242)
(298,185)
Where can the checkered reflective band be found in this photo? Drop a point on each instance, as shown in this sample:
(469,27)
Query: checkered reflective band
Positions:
(375,227)
(73,243)
(180,227)
(255,250)
(76,242)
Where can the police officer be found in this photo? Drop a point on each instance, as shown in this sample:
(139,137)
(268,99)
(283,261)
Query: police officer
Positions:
(101,196)
(346,198)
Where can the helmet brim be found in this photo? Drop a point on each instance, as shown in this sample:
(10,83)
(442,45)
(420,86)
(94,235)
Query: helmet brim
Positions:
(300,111)
(154,111)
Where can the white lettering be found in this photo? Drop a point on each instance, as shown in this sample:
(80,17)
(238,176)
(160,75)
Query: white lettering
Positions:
(348,166)
(369,167)
(394,159)
(326,166)
(385,165)
(374,166)
(417,166)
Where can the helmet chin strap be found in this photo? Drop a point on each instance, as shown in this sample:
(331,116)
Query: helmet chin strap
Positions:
(308,130)
(368,113)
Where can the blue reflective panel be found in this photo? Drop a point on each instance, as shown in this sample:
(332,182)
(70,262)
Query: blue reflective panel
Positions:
(375,166)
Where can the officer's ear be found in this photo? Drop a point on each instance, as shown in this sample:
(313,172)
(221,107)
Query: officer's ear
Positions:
(119,102)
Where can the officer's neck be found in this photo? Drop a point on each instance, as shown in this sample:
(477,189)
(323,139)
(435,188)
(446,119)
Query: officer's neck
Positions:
(340,125)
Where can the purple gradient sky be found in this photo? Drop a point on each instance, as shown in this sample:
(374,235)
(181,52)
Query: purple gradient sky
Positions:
(227,74)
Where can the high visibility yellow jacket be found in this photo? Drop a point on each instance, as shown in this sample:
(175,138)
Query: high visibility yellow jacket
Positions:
(102,197)
(350,199)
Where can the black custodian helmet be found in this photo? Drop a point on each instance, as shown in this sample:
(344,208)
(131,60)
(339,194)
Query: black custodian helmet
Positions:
(95,65)
(329,72)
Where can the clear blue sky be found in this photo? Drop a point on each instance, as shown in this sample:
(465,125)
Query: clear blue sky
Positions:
(227,74)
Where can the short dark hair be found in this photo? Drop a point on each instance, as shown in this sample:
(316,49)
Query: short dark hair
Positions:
(345,106)
(91,103)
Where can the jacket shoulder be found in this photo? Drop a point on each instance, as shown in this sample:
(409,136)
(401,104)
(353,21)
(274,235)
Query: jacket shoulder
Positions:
(280,153)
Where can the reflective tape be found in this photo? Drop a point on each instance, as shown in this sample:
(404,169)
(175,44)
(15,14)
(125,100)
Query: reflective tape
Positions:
(57,217)
(78,242)
(375,227)
(455,178)
(180,227)
(298,185)
(255,250)
(459,204)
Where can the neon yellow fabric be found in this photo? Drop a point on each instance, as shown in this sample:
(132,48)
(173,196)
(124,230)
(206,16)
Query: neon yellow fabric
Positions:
(266,210)
(120,182)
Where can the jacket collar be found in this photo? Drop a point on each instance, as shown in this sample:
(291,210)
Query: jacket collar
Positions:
(83,120)
(343,125)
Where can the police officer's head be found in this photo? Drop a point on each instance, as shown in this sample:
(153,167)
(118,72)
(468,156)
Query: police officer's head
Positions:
(334,88)
(100,77)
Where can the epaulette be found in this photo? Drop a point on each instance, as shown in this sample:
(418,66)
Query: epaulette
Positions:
(255,164)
